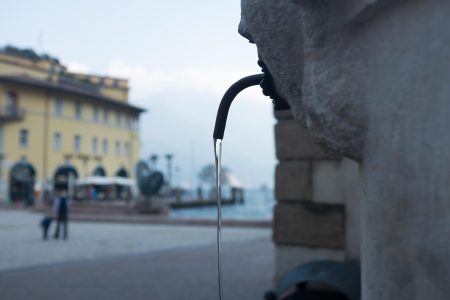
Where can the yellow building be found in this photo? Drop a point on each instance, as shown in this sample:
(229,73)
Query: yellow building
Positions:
(51,117)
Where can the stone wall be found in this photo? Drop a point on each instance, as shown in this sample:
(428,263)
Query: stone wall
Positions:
(317,212)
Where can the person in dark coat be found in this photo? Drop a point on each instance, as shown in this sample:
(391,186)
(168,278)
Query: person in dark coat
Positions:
(45,224)
(61,209)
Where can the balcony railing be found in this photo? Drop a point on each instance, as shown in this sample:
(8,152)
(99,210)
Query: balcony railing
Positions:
(11,114)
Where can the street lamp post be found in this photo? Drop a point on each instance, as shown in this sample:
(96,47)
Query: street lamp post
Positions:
(154,160)
(169,158)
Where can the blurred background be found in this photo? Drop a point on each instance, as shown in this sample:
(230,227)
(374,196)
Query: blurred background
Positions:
(179,59)
(114,104)
(107,175)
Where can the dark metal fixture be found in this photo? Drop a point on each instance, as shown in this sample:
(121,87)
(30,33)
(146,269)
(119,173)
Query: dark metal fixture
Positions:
(227,99)
(265,80)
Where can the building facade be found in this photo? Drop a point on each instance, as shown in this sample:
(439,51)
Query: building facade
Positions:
(50,117)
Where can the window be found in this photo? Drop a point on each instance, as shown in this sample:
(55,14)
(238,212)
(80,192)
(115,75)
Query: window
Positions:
(11,102)
(77,110)
(94,145)
(134,124)
(127,121)
(117,148)
(130,125)
(105,116)
(57,141)
(118,119)
(23,138)
(105,146)
(58,109)
(127,149)
(77,144)
(95,114)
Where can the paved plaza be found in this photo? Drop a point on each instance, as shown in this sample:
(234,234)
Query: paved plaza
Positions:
(120,261)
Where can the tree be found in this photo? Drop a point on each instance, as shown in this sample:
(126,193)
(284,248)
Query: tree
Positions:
(207,175)
(169,158)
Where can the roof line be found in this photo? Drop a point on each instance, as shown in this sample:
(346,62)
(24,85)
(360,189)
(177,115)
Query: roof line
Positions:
(26,80)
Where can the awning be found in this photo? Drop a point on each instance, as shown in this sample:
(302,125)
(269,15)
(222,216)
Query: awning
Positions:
(100,180)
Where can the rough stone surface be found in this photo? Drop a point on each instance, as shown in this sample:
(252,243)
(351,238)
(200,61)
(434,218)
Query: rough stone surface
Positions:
(283,115)
(360,11)
(302,147)
(376,91)
(406,205)
(309,224)
(353,222)
(338,182)
(306,49)
(334,181)
(293,181)
(288,257)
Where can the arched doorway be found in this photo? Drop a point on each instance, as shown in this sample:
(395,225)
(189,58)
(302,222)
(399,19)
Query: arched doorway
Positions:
(99,192)
(122,192)
(99,171)
(62,176)
(122,173)
(22,177)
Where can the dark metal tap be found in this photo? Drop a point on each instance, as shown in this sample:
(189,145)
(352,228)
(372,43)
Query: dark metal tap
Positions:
(265,80)
(227,99)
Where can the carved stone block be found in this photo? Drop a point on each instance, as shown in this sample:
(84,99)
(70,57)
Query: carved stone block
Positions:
(309,224)
(293,181)
(294,142)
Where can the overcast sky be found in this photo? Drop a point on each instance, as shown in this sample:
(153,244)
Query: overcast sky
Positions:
(180,56)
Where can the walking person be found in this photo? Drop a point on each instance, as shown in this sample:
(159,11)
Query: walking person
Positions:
(61,209)
(45,224)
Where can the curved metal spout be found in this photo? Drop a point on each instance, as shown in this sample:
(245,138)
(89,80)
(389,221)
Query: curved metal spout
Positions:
(227,99)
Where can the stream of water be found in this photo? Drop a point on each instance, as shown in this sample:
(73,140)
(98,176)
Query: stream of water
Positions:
(218,159)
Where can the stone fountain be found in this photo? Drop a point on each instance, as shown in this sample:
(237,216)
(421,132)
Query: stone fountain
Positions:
(370,81)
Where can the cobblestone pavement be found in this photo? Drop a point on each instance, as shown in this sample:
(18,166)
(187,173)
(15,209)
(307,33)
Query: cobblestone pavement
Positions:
(188,273)
(21,245)
(118,262)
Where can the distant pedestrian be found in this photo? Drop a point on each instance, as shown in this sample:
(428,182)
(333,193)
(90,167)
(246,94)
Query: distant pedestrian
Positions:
(90,192)
(45,224)
(94,193)
(48,213)
(61,209)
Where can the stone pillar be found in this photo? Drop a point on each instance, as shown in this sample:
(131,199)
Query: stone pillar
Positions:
(370,80)
(317,212)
